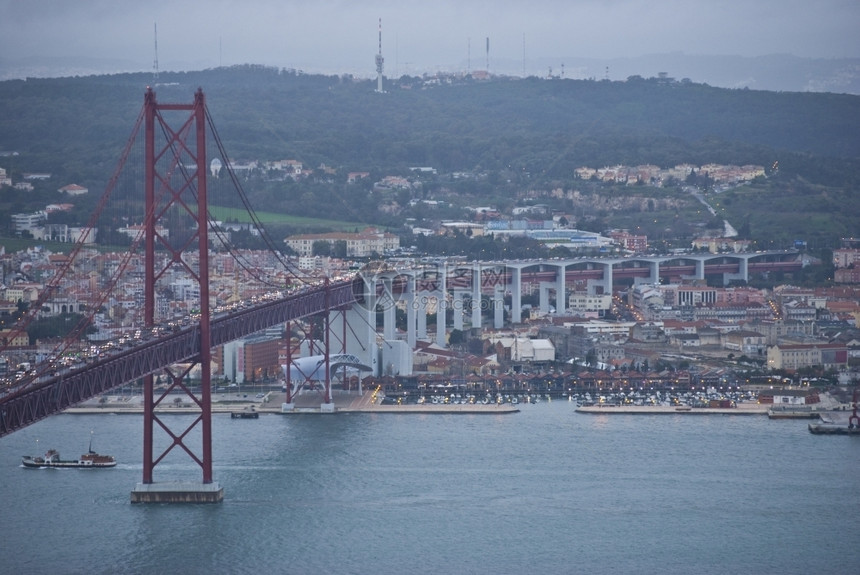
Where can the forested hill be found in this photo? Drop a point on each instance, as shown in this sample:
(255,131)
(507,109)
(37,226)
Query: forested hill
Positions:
(78,126)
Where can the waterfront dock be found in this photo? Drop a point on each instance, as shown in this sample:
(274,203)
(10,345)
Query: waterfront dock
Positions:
(741,409)
(305,403)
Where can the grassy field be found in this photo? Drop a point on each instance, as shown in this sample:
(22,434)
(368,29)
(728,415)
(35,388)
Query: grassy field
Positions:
(241,216)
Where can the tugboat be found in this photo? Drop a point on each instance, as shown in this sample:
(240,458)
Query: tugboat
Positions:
(89,460)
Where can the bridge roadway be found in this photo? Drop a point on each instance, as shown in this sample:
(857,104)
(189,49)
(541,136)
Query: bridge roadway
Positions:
(511,272)
(54,394)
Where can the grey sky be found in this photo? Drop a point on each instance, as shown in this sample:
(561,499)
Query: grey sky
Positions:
(337,36)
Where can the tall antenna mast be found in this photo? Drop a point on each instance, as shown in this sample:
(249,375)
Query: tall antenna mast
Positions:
(524,54)
(155,63)
(379,61)
(488,54)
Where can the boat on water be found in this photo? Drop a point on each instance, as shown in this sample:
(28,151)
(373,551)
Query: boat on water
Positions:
(89,460)
(833,429)
(247,413)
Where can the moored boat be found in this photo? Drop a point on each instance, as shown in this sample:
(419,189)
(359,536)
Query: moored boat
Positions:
(247,413)
(833,429)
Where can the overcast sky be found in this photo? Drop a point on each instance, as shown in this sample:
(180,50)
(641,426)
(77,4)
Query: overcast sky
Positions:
(340,36)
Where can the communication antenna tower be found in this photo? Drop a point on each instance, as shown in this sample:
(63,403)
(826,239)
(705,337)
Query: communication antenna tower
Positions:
(488,54)
(524,54)
(379,61)
(155,62)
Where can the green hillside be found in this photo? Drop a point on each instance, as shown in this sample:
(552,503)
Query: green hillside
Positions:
(514,136)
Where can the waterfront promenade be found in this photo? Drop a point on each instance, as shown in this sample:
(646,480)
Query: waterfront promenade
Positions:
(369,402)
(305,403)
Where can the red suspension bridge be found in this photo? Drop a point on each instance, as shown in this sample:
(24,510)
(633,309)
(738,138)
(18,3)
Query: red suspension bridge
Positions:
(173,201)
(176,221)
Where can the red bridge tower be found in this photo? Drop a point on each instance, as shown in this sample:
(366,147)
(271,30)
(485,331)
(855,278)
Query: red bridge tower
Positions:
(175,182)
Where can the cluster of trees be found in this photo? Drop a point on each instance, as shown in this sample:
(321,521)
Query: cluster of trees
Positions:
(79,125)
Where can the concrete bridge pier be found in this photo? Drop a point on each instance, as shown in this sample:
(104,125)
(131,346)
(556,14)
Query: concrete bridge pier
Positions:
(476,296)
(389,317)
(516,295)
(561,290)
(699,274)
(459,303)
(605,283)
(421,311)
(411,313)
(743,273)
(498,306)
(653,274)
(543,299)
(441,312)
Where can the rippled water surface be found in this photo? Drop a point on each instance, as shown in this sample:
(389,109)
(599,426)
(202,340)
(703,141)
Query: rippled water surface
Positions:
(546,490)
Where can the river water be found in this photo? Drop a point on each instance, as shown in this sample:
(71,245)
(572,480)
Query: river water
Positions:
(545,490)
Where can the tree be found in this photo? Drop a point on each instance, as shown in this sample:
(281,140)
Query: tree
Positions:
(455,337)
(339,250)
(321,248)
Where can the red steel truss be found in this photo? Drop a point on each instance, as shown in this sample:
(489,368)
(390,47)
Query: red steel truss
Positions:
(166,163)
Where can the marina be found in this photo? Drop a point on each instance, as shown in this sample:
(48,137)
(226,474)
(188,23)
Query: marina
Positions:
(247,406)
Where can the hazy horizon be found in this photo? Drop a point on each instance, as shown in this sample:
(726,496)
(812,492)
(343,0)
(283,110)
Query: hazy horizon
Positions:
(338,37)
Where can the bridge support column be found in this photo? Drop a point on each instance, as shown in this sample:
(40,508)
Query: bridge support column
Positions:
(605,283)
(441,312)
(288,404)
(561,291)
(699,273)
(653,275)
(743,272)
(389,316)
(421,309)
(327,405)
(361,335)
(411,312)
(498,306)
(459,304)
(544,288)
(516,295)
(177,146)
(476,296)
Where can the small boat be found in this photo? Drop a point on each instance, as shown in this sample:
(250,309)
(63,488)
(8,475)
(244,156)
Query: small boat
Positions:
(89,460)
(247,413)
(833,429)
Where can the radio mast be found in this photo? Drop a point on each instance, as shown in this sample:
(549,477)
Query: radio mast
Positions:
(379,61)
(155,62)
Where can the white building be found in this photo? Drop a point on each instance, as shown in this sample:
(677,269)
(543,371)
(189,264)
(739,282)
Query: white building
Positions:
(358,245)
(28,222)
(582,302)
